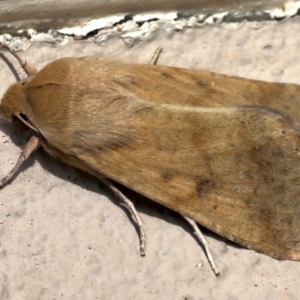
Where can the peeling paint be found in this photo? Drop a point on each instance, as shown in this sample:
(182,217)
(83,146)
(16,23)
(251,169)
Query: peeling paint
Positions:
(135,28)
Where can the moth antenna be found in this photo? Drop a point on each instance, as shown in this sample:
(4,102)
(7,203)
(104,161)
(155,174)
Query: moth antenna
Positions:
(130,206)
(29,147)
(204,243)
(28,69)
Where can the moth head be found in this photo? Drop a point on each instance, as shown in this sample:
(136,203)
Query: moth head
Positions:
(13,104)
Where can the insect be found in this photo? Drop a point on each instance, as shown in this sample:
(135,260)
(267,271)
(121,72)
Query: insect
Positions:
(221,151)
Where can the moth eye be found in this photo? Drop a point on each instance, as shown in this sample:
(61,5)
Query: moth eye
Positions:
(23,116)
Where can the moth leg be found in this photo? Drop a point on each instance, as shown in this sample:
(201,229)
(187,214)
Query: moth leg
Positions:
(29,147)
(28,69)
(130,206)
(155,56)
(204,242)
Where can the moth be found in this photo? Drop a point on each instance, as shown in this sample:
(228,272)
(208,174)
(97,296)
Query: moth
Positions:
(221,151)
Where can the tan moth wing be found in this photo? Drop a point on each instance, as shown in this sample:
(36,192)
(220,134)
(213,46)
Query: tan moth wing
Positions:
(233,170)
(161,84)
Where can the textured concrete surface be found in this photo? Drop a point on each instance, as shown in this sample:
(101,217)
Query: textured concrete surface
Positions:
(62,236)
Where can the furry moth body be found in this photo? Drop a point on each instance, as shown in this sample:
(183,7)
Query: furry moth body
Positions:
(170,134)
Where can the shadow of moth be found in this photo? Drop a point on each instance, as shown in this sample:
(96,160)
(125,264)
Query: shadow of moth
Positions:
(222,151)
